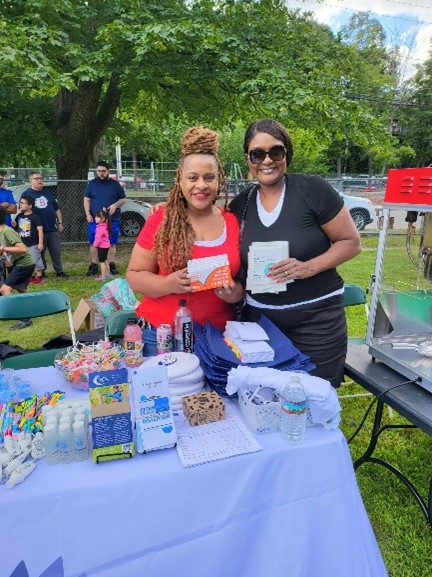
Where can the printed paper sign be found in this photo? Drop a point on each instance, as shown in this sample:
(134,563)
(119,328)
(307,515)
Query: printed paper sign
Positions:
(210,272)
(111,415)
(154,421)
(261,256)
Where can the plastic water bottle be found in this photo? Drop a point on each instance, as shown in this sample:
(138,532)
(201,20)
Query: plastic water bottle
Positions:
(132,342)
(80,441)
(292,422)
(51,444)
(46,410)
(183,329)
(65,443)
(81,415)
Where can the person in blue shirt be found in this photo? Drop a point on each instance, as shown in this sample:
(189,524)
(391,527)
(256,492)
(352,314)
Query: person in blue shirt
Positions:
(103,193)
(47,207)
(7,200)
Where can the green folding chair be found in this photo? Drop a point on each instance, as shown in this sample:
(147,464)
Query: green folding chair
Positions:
(116,322)
(33,305)
(33,360)
(355,295)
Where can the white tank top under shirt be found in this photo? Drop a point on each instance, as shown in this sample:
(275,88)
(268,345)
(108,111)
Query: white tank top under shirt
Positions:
(267,219)
(216,241)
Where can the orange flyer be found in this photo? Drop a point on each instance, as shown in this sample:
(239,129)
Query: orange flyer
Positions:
(209,272)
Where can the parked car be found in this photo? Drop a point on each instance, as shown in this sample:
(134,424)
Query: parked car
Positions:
(358,184)
(361,209)
(133,217)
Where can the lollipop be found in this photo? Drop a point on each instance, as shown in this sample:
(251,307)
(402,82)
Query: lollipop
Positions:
(77,362)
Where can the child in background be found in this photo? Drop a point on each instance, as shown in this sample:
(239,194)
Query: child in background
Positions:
(29,226)
(22,263)
(102,243)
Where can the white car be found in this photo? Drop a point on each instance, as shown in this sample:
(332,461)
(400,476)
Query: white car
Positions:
(133,217)
(361,210)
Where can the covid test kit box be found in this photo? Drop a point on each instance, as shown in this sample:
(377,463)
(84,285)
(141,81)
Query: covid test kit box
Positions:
(111,415)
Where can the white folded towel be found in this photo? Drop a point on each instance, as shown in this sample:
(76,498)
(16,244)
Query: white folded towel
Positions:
(245,331)
(322,399)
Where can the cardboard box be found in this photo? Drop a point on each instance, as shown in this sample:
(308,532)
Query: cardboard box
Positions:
(87,312)
(202,408)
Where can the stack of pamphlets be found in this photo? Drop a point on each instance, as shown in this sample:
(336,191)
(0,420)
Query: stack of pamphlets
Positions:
(209,272)
(248,342)
(262,255)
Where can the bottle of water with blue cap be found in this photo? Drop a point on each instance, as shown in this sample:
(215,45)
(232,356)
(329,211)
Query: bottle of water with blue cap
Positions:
(292,423)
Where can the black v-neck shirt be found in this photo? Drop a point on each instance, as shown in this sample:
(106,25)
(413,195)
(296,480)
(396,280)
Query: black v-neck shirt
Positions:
(309,202)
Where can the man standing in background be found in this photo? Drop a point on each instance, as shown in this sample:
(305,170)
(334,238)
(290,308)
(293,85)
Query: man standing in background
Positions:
(7,200)
(46,206)
(103,193)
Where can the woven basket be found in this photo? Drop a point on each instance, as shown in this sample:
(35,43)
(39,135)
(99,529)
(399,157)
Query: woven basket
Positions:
(262,418)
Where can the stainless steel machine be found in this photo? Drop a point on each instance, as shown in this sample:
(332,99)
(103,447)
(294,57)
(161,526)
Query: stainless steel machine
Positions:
(399,331)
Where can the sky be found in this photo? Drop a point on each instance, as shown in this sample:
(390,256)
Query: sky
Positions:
(406,22)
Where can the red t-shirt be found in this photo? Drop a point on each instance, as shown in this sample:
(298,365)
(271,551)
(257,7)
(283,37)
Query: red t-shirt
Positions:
(204,305)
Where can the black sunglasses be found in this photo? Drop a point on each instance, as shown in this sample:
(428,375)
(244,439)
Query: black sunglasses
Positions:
(276,152)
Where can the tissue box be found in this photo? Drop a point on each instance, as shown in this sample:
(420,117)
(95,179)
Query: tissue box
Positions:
(203,408)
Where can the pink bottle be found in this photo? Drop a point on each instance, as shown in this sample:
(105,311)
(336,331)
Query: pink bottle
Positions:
(132,342)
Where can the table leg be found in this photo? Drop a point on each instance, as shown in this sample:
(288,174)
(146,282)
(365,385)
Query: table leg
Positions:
(367,457)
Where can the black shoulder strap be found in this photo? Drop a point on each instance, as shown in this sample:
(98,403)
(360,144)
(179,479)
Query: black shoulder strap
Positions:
(246,206)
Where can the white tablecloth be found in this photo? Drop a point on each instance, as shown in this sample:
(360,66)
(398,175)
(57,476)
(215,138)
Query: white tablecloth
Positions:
(286,511)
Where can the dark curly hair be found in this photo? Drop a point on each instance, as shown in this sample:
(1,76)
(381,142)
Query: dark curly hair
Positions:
(175,238)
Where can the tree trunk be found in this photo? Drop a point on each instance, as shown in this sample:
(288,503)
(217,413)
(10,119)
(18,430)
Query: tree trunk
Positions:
(339,166)
(80,119)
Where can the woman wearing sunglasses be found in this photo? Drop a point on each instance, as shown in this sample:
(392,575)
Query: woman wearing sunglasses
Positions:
(308,213)
(188,226)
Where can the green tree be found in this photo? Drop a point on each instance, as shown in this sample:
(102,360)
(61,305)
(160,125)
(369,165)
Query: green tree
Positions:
(213,61)
(417,116)
(371,83)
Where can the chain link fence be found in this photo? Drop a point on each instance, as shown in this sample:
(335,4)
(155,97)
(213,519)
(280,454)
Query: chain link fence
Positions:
(70,194)
(142,194)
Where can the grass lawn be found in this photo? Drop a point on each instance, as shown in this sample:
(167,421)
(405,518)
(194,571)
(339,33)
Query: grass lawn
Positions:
(404,538)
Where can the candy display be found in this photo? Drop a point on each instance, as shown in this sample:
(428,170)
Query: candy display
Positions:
(77,362)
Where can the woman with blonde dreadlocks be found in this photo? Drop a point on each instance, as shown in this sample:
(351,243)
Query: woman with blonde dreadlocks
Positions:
(188,226)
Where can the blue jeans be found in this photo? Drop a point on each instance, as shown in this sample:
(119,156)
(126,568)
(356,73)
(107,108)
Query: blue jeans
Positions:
(149,340)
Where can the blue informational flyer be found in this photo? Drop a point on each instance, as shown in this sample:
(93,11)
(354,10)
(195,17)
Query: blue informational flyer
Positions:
(111,415)
(154,422)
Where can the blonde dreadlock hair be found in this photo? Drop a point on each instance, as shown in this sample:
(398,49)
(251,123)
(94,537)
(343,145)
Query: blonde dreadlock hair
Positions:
(175,238)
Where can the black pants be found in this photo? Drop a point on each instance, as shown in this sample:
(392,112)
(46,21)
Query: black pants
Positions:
(317,330)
